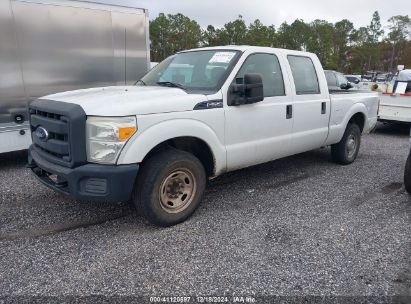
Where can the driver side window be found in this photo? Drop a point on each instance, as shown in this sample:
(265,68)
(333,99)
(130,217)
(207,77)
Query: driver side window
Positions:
(268,66)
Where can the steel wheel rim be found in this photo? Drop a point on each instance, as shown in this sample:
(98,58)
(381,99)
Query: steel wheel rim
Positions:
(177,191)
(351,146)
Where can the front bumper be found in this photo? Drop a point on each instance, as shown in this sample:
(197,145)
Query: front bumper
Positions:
(90,182)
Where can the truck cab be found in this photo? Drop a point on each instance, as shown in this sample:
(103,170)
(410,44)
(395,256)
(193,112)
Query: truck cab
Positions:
(196,115)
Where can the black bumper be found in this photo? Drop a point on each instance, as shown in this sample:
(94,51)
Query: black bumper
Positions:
(90,182)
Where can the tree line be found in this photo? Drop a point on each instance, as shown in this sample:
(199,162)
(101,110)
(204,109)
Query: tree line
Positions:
(339,46)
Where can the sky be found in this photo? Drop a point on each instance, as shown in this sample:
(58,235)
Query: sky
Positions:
(219,12)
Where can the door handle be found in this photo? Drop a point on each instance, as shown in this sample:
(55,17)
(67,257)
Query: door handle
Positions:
(289,112)
(323,107)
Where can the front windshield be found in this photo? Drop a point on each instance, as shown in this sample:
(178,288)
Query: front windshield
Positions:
(193,71)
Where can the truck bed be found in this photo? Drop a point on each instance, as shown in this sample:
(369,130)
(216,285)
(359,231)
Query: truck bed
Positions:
(343,102)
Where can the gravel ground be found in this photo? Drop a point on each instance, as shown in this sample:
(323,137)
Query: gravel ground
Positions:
(297,226)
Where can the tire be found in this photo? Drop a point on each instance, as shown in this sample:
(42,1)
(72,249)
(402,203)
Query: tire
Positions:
(407,174)
(169,187)
(346,151)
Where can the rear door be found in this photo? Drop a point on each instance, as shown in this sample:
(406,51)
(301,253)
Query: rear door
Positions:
(311,103)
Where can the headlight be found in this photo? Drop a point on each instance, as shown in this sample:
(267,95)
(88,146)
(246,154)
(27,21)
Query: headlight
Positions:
(106,136)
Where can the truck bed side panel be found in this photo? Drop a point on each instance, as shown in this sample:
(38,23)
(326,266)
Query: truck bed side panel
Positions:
(344,106)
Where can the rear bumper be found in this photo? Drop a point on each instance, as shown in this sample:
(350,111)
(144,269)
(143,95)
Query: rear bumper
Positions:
(90,182)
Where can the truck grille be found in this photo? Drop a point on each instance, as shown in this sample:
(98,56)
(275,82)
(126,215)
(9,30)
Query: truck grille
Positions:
(57,143)
(58,132)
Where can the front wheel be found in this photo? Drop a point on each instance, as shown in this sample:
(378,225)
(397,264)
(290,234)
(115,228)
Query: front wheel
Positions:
(169,187)
(346,151)
(407,174)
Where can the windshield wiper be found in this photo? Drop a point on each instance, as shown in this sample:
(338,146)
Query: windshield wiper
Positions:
(140,81)
(171,84)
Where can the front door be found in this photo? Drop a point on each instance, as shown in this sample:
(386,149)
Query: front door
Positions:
(259,132)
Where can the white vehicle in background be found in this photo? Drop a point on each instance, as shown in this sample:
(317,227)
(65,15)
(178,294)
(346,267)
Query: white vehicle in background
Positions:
(395,106)
(196,115)
(359,84)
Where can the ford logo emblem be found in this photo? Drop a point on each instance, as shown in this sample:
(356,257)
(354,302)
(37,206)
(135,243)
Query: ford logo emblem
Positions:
(42,134)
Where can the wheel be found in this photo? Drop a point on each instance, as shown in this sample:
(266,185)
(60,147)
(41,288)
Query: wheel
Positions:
(407,174)
(169,187)
(346,151)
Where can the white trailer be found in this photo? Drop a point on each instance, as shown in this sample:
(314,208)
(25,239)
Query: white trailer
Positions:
(396,106)
(50,46)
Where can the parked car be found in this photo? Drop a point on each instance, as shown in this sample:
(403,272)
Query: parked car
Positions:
(157,142)
(358,83)
(337,81)
(353,79)
(54,46)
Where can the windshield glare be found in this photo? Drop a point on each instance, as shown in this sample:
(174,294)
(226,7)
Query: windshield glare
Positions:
(196,70)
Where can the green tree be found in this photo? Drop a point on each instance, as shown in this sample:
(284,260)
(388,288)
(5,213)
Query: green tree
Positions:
(295,36)
(172,33)
(374,33)
(260,35)
(343,31)
(321,42)
(159,35)
(234,32)
(339,46)
(358,54)
(399,32)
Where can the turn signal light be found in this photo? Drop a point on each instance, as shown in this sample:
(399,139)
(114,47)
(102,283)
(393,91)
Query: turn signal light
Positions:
(126,133)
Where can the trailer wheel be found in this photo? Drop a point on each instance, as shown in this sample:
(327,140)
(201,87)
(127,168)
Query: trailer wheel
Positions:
(169,187)
(407,174)
(346,151)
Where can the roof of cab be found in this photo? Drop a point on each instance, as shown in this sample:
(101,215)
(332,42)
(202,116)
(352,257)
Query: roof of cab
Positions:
(243,48)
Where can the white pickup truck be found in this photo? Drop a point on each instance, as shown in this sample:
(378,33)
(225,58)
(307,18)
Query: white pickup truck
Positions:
(196,115)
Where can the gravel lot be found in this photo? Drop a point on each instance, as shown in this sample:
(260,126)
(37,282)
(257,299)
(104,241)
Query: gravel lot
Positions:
(297,226)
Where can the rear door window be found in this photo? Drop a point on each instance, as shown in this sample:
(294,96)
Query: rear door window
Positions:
(304,74)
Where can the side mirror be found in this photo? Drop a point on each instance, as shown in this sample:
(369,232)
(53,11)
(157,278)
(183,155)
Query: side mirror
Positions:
(346,86)
(251,91)
(357,81)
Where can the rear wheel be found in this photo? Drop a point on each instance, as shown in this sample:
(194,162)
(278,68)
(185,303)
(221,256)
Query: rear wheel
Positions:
(169,187)
(346,151)
(407,174)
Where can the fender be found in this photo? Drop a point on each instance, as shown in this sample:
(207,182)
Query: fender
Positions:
(339,124)
(142,143)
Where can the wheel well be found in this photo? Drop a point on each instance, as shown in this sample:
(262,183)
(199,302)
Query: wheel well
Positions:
(359,120)
(193,145)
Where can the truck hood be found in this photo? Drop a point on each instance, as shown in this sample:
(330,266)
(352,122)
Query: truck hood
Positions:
(130,100)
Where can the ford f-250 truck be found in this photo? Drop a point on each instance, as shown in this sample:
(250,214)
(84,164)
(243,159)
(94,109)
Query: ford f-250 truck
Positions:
(196,115)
